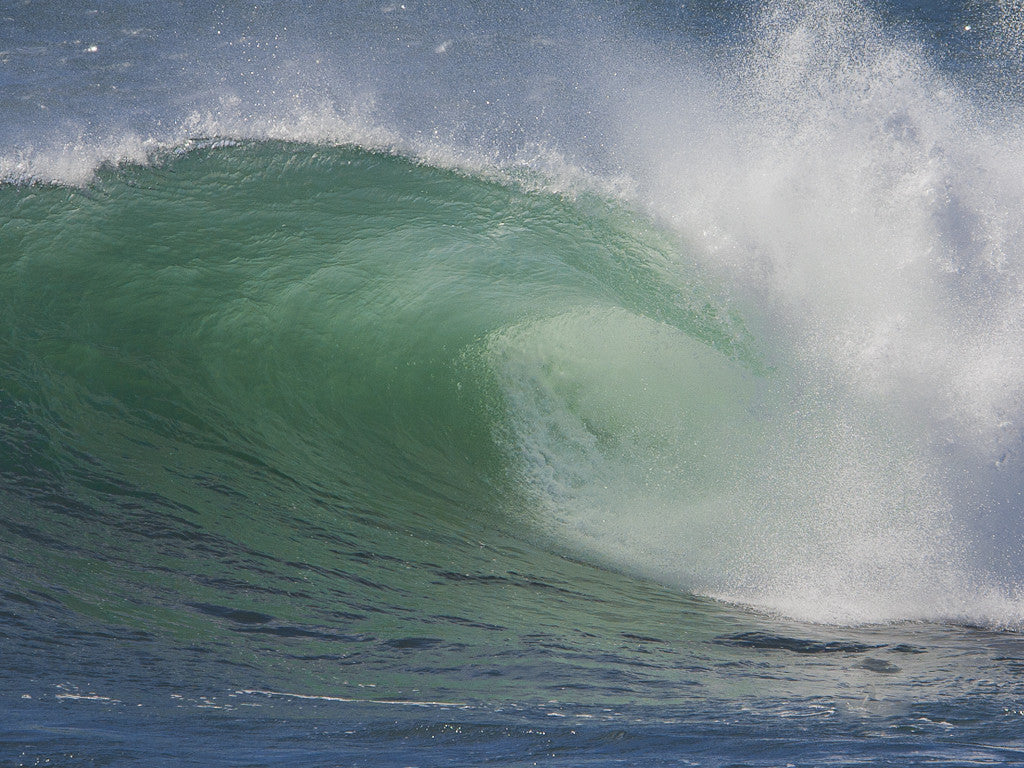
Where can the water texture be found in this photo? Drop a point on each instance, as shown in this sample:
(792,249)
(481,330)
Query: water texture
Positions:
(574,385)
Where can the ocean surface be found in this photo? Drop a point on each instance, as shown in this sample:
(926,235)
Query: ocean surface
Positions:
(464,384)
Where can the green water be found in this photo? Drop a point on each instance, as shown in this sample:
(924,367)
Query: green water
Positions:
(274,392)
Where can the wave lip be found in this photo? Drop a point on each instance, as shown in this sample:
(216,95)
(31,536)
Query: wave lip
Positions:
(856,203)
(427,337)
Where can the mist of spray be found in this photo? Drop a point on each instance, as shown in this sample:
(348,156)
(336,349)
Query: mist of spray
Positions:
(858,206)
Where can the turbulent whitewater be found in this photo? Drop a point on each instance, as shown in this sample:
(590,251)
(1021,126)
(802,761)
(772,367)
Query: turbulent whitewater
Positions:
(422,376)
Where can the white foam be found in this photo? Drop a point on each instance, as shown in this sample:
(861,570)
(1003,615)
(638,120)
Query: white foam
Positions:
(868,216)
(865,212)
(346,700)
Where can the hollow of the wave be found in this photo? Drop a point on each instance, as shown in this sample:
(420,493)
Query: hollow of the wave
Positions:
(423,344)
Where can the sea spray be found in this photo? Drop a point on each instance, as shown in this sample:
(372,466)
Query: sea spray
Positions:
(394,382)
(866,217)
(855,204)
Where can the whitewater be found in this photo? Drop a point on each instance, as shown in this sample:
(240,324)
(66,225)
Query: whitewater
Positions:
(407,384)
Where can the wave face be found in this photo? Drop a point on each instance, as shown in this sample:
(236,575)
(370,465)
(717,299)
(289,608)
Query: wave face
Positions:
(330,322)
(796,390)
(419,341)
(507,356)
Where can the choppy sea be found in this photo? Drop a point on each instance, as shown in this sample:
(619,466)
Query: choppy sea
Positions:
(464,384)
